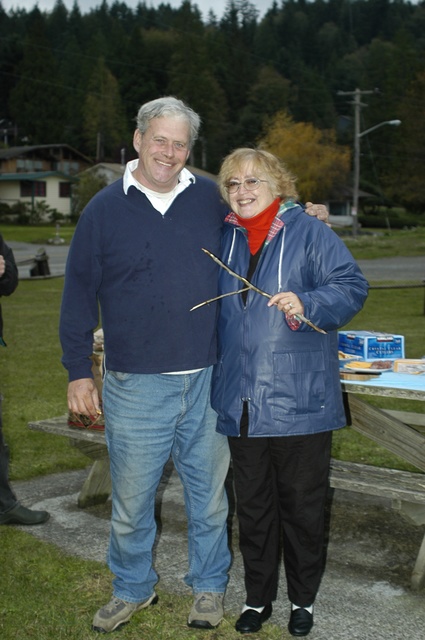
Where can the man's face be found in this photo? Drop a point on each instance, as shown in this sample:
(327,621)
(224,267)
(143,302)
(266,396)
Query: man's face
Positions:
(163,150)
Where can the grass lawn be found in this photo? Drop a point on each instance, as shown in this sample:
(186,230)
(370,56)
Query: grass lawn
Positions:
(47,595)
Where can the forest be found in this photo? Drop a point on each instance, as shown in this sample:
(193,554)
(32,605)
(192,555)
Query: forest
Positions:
(286,81)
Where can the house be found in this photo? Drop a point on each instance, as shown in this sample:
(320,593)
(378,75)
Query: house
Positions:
(339,205)
(40,173)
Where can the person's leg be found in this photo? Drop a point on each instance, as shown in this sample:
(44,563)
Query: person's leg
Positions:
(11,510)
(302,469)
(201,457)
(140,418)
(257,510)
(8,500)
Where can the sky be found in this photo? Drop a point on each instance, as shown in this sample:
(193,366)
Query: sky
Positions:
(204,6)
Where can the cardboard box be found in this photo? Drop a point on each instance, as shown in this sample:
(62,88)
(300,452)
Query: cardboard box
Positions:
(371,345)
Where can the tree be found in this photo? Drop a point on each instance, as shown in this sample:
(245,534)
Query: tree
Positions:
(191,79)
(405,181)
(104,123)
(313,156)
(269,95)
(36,101)
(82,192)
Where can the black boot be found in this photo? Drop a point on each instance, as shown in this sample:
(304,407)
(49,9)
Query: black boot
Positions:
(22,515)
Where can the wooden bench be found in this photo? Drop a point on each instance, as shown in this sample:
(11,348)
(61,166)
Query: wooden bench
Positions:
(97,486)
(405,490)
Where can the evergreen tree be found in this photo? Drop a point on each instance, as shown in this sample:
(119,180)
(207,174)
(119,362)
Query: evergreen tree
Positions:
(36,101)
(104,123)
(191,79)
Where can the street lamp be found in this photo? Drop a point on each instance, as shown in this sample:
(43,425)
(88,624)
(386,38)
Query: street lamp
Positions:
(357,136)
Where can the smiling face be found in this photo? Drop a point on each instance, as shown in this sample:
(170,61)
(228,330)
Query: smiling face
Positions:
(163,150)
(247,203)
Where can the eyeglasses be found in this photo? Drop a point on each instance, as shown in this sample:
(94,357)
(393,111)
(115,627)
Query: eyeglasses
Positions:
(250,184)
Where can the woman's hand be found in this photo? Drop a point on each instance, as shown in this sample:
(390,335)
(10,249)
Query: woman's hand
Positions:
(287,302)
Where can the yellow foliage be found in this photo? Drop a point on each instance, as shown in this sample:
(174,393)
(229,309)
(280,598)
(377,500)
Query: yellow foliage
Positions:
(312,155)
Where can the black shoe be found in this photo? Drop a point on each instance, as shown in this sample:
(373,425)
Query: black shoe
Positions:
(250,621)
(300,622)
(22,515)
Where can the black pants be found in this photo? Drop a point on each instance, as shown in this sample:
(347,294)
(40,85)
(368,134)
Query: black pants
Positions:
(281,486)
(8,499)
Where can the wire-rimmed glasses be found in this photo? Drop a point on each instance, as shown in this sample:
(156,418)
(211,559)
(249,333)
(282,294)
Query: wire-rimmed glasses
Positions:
(250,184)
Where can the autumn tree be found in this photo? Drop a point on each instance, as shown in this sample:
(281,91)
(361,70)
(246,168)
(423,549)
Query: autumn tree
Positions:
(312,155)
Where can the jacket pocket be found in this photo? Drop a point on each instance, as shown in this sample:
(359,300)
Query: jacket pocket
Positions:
(299,383)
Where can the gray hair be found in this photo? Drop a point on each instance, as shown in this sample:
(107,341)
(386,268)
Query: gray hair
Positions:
(169,106)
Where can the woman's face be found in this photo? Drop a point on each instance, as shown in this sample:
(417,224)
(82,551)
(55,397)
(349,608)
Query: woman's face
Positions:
(248,202)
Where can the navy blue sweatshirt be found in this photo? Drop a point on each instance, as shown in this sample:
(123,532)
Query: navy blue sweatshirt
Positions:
(145,271)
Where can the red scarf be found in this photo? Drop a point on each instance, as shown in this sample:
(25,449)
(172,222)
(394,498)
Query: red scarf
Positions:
(259,226)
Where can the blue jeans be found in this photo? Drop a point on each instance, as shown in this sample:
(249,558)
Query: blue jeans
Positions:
(147,419)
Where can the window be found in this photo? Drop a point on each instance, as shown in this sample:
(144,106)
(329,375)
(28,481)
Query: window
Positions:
(68,167)
(25,165)
(31,188)
(64,189)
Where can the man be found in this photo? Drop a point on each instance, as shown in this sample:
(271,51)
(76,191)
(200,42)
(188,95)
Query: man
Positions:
(11,511)
(137,252)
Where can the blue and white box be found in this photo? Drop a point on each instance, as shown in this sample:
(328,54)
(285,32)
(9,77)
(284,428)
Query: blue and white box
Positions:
(371,345)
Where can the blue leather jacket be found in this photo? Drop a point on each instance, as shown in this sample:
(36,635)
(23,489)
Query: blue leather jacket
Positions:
(289,378)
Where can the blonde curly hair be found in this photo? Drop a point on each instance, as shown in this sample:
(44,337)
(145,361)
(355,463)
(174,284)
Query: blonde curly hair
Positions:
(264,165)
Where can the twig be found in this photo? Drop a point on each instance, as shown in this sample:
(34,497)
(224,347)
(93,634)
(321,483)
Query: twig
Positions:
(223,295)
(249,285)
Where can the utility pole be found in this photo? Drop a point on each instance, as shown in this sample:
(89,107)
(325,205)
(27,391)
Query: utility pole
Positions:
(358,104)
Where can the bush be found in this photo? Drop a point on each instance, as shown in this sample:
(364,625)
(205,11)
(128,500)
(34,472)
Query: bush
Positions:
(390,218)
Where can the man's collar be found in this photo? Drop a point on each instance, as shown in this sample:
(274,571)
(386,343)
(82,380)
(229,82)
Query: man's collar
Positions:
(185,177)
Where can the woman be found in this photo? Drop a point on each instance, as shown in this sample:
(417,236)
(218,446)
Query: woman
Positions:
(276,386)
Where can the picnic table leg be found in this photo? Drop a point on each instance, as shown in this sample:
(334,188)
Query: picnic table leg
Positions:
(97,487)
(418,575)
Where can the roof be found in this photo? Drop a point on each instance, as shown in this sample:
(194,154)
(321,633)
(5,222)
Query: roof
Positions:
(13,152)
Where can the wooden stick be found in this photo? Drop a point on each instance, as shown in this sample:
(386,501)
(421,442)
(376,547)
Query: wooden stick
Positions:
(223,295)
(249,285)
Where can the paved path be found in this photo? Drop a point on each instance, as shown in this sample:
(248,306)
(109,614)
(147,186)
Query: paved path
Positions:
(365,590)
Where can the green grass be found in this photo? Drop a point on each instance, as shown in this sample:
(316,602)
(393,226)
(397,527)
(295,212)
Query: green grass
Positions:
(33,380)
(387,244)
(48,595)
(36,235)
